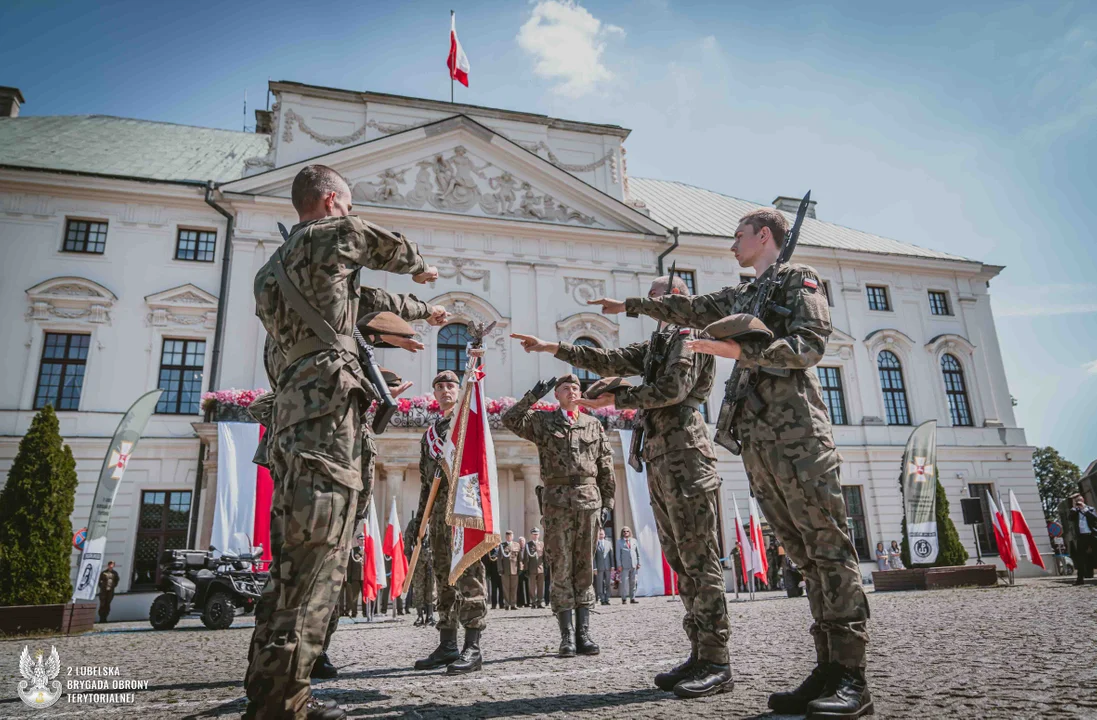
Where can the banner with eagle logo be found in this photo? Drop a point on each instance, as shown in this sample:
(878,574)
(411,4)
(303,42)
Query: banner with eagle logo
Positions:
(920,492)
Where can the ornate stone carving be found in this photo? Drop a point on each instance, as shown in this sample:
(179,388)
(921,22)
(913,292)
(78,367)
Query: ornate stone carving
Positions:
(541,146)
(69,298)
(186,305)
(587,324)
(462,268)
(584,289)
(466,307)
(384,128)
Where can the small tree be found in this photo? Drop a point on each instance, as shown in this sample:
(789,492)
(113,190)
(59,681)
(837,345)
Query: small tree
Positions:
(1057,479)
(35,507)
(950,551)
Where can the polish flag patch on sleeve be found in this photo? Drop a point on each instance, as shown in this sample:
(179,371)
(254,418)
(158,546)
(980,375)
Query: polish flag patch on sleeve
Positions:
(683,331)
(811,283)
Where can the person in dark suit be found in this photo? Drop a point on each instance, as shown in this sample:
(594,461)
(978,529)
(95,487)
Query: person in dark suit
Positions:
(1083,521)
(603,566)
(495,583)
(108,582)
(352,587)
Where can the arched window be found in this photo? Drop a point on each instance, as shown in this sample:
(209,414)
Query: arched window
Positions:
(895,393)
(958,406)
(452,341)
(586,377)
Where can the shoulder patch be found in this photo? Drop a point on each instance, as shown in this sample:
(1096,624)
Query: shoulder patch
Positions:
(684,331)
(809,282)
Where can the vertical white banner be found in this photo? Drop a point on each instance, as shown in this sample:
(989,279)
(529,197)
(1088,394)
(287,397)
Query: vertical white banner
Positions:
(649,581)
(234,511)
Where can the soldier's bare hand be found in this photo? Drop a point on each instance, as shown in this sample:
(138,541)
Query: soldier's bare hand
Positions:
(721,348)
(438,316)
(535,344)
(401,389)
(427,276)
(609,305)
(602,401)
(409,344)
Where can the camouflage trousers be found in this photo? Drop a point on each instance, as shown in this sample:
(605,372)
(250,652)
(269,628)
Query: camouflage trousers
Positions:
(570,535)
(422,583)
(799,491)
(687,532)
(314,516)
(466,603)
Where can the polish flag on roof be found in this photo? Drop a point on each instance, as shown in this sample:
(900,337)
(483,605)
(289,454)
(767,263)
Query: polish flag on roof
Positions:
(457,62)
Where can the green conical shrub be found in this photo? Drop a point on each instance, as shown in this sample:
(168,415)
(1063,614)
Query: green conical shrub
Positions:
(35,507)
(950,551)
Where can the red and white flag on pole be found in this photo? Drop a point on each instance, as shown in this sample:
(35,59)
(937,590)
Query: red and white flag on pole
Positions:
(373,558)
(457,62)
(394,548)
(757,542)
(746,552)
(1020,526)
(1002,535)
(241,514)
(468,459)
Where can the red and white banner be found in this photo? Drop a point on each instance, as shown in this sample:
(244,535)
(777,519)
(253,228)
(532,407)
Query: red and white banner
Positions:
(1020,526)
(1007,550)
(373,558)
(457,62)
(757,542)
(655,576)
(468,459)
(746,550)
(241,513)
(394,548)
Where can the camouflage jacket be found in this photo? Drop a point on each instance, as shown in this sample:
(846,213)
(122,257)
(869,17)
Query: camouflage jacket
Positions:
(681,381)
(428,465)
(322,258)
(793,406)
(577,450)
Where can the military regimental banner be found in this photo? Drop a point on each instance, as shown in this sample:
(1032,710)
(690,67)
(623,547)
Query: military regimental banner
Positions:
(920,492)
(468,459)
(118,456)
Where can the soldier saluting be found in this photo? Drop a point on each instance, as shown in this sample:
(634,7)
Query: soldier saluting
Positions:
(577,472)
(306,297)
(787,449)
(681,463)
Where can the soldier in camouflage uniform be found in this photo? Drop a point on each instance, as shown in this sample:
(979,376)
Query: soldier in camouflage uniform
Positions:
(422,583)
(465,603)
(577,472)
(789,454)
(316,448)
(682,480)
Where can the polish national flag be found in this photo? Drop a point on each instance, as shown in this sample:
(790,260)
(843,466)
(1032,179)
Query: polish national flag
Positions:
(241,514)
(457,62)
(373,558)
(1002,535)
(757,542)
(746,551)
(1020,526)
(394,548)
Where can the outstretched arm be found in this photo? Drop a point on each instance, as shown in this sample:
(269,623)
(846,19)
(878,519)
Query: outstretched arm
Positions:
(605,361)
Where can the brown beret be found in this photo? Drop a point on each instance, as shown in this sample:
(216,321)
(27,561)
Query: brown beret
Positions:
(741,326)
(391,379)
(445,376)
(385,323)
(569,378)
(605,385)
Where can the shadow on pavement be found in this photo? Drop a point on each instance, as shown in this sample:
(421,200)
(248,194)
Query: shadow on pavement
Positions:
(511,708)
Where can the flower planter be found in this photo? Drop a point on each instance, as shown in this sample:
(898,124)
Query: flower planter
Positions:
(66,619)
(935,578)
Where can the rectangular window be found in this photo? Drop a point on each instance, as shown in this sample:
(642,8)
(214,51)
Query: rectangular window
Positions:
(826,291)
(855,519)
(878,297)
(61,372)
(162,525)
(938,303)
(181,376)
(195,245)
(86,236)
(830,379)
(984,531)
(690,278)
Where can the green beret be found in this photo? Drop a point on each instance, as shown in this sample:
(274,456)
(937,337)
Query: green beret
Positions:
(445,376)
(569,378)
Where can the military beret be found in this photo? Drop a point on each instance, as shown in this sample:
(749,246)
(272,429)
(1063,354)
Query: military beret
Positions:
(605,385)
(445,376)
(391,379)
(385,323)
(741,326)
(569,378)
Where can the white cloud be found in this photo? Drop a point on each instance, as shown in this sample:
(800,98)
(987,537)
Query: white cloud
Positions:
(1090,367)
(1045,300)
(567,43)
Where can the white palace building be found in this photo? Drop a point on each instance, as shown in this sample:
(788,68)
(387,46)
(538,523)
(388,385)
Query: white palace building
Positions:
(129,248)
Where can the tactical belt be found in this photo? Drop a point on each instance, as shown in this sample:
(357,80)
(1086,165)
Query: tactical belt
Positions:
(568,480)
(312,345)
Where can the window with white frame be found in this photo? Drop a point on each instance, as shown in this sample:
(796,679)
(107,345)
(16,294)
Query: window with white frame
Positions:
(895,393)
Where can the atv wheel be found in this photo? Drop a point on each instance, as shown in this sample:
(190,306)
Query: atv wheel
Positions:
(163,615)
(219,611)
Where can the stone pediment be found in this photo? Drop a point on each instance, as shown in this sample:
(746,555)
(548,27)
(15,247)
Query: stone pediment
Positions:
(184,305)
(70,298)
(459,166)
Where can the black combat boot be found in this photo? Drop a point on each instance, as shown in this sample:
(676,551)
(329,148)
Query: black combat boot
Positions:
(430,616)
(707,679)
(795,702)
(845,696)
(317,709)
(470,658)
(667,680)
(583,644)
(444,654)
(567,632)
(322,669)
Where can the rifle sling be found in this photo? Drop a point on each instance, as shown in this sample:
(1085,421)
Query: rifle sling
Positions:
(325,337)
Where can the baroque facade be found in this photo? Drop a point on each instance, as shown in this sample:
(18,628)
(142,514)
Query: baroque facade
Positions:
(123,273)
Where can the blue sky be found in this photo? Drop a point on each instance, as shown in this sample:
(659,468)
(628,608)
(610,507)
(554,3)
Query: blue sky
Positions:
(970,130)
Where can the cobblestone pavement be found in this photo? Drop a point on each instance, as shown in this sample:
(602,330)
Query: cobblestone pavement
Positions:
(1022,652)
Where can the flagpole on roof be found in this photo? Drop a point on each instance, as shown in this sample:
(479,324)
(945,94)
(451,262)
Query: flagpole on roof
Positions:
(452,20)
